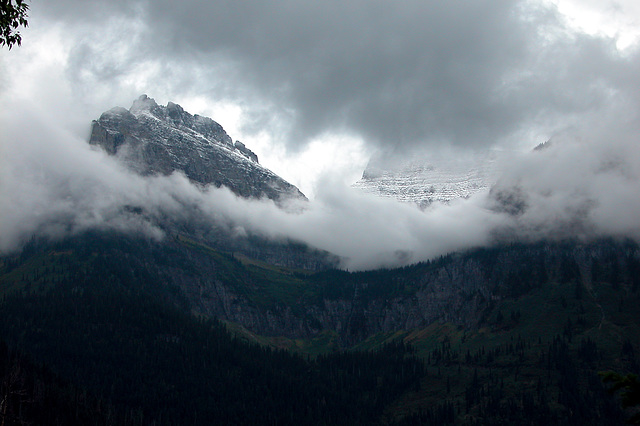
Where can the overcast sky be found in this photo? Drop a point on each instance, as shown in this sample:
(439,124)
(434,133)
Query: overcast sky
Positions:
(316,88)
(357,75)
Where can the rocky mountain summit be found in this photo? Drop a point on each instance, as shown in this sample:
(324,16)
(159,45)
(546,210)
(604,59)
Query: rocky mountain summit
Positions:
(155,139)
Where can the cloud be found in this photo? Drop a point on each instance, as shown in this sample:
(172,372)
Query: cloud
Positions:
(413,75)
(55,184)
(397,75)
(581,186)
(366,232)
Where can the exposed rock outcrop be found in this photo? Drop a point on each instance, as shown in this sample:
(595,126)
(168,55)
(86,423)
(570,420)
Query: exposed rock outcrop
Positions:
(434,177)
(154,139)
(459,289)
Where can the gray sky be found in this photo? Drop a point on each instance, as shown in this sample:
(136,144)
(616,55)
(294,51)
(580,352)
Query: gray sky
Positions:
(316,88)
(395,74)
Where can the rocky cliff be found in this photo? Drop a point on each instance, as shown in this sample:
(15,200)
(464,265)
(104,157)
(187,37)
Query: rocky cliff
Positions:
(459,289)
(154,139)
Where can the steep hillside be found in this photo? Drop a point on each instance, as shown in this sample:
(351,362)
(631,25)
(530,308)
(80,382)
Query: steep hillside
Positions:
(124,333)
(505,332)
(460,289)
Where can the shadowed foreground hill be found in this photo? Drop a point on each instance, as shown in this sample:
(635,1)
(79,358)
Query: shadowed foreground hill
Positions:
(123,335)
(514,334)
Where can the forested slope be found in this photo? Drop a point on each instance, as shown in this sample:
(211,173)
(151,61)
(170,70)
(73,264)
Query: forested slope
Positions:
(513,334)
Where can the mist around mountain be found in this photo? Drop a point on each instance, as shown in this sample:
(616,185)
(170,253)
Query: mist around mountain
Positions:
(139,285)
(436,176)
(159,140)
(507,305)
(56,185)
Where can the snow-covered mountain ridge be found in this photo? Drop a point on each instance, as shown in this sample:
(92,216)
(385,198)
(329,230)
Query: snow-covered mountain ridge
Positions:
(154,139)
(435,177)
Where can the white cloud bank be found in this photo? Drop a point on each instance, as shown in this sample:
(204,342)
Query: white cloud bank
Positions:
(55,184)
(413,75)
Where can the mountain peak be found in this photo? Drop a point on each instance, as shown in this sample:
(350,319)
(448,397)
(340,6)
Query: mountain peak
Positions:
(155,139)
(143,103)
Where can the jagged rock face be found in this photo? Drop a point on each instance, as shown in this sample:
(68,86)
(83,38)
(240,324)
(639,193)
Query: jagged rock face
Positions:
(431,178)
(154,139)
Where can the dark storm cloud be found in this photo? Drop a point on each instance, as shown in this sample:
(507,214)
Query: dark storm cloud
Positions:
(417,73)
(393,73)
(466,72)
(470,73)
